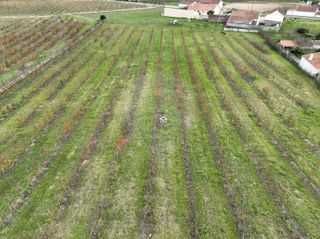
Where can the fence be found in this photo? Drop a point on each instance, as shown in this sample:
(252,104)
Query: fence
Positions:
(218,18)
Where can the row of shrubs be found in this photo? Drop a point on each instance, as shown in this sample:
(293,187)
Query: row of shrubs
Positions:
(306,33)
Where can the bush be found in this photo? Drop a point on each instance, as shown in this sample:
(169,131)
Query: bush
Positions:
(302,30)
(317,37)
(210,13)
(298,52)
(103,17)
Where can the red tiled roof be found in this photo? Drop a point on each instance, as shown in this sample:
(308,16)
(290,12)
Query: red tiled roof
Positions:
(201,7)
(209,1)
(243,16)
(307,8)
(288,43)
(202,1)
(313,59)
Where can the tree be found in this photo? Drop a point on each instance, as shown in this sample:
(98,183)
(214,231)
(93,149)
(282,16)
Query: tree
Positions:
(103,17)
(210,13)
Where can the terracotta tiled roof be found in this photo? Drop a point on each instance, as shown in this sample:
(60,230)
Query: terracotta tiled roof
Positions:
(307,8)
(188,2)
(288,43)
(209,1)
(201,7)
(313,59)
(243,16)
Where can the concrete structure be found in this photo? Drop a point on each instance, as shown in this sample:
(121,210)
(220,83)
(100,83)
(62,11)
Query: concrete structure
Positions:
(304,11)
(170,11)
(288,44)
(311,63)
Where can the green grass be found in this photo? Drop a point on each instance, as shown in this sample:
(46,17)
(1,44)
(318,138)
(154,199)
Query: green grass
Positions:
(151,18)
(84,155)
(290,27)
(34,7)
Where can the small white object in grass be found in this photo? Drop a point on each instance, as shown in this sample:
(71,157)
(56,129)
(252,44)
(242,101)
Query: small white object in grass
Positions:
(33,142)
(163,120)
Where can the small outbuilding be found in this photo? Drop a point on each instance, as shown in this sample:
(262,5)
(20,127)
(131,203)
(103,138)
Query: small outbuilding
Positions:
(311,63)
(288,44)
(305,11)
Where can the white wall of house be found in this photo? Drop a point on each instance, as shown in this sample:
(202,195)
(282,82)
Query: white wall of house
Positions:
(236,29)
(242,25)
(182,6)
(219,8)
(309,68)
(180,13)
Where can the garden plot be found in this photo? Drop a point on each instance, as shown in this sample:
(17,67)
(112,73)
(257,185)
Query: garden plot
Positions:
(25,44)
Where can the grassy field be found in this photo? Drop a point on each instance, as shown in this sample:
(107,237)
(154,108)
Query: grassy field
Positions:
(148,130)
(44,7)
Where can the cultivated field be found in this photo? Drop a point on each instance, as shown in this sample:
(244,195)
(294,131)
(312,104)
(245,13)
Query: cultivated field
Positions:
(45,7)
(29,43)
(159,131)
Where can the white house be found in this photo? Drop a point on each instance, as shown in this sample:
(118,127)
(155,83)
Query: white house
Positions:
(274,18)
(311,63)
(194,9)
(205,6)
(304,11)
